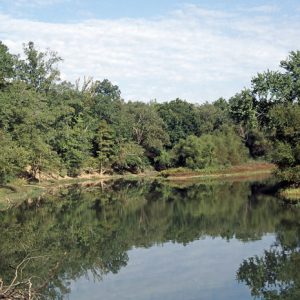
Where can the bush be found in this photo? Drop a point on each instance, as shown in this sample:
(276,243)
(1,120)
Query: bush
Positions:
(224,148)
(130,158)
(258,144)
(290,175)
(13,159)
(282,154)
(164,160)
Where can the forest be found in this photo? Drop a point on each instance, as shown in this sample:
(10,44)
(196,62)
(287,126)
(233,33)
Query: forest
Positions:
(51,126)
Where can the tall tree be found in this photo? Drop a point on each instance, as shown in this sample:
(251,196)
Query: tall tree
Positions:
(7,62)
(273,87)
(148,128)
(105,144)
(38,69)
(243,112)
(180,119)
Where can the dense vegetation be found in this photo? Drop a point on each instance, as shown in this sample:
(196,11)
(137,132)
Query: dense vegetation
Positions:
(49,126)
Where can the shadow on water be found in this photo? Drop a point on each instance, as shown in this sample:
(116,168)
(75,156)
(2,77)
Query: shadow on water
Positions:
(91,229)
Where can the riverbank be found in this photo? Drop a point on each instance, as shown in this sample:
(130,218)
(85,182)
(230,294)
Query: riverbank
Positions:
(19,190)
(242,171)
(291,194)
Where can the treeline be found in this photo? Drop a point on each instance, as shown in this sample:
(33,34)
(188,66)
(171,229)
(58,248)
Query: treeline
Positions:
(52,126)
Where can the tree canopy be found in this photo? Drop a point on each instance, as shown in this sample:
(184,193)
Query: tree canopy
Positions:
(63,128)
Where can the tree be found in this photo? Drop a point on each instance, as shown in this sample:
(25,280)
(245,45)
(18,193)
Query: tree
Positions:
(285,135)
(148,129)
(105,145)
(13,158)
(164,160)
(194,153)
(7,61)
(220,149)
(212,117)
(258,143)
(106,89)
(104,100)
(41,157)
(180,118)
(292,67)
(242,111)
(273,87)
(73,144)
(38,69)
(131,158)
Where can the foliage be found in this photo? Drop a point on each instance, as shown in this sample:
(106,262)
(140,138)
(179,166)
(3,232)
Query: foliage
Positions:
(6,65)
(243,112)
(131,158)
(212,117)
(180,119)
(147,128)
(38,69)
(104,141)
(258,143)
(62,127)
(164,160)
(194,152)
(224,148)
(12,159)
(290,174)
(285,134)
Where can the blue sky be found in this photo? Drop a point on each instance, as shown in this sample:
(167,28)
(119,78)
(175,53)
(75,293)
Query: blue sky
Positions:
(78,10)
(196,50)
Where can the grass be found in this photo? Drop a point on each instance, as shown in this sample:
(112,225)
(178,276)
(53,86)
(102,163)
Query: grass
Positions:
(291,194)
(243,170)
(17,191)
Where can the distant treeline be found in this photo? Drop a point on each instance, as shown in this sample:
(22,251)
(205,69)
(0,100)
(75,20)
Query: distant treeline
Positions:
(53,126)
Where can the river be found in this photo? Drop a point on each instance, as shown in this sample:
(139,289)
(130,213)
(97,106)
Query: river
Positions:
(151,240)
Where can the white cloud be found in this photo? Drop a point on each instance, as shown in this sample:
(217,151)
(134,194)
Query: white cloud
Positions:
(191,53)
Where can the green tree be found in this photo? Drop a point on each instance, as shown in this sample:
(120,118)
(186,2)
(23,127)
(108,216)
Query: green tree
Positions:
(7,62)
(73,145)
(212,117)
(13,158)
(243,112)
(180,118)
(130,158)
(38,69)
(148,129)
(285,134)
(220,149)
(105,145)
(273,87)
(194,152)
(164,160)
(41,157)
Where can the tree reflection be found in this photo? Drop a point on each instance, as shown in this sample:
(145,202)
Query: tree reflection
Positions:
(275,274)
(90,230)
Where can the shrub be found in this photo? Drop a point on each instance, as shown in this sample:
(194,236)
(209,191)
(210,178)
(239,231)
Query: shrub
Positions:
(130,158)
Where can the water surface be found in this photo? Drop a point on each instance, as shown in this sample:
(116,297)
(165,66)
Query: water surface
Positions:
(151,240)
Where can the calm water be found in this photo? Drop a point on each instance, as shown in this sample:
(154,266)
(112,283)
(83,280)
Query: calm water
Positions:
(149,240)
